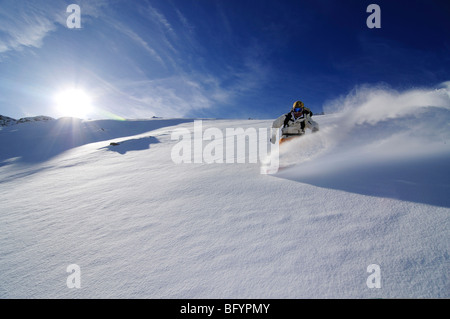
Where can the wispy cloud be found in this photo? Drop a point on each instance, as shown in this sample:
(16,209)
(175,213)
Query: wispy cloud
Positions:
(179,91)
(23,25)
(173,96)
(156,16)
(195,82)
(160,62)
(26,23)
(137,39)
(187,26)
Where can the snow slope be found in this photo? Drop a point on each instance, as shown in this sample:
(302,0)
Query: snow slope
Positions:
(364,190)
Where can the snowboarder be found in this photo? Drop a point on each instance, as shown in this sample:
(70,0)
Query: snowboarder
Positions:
(293,124)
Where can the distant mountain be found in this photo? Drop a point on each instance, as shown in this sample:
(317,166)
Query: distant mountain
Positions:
(8,121)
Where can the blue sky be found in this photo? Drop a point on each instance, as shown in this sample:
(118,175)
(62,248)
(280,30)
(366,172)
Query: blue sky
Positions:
(214,58)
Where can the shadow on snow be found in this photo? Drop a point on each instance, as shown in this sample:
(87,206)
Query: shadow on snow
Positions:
(423,180)
(137,144)
(41,141)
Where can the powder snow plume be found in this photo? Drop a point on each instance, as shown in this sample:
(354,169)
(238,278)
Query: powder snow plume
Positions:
(377,123)
(378,135)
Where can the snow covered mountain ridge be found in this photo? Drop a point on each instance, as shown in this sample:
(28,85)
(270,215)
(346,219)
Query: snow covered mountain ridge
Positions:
(7,121)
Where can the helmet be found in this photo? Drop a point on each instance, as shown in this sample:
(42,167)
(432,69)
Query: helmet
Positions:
(298,104)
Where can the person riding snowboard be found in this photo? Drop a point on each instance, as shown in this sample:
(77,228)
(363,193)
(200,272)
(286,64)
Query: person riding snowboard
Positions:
(293,124)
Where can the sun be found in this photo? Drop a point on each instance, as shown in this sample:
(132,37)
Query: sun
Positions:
(74,103)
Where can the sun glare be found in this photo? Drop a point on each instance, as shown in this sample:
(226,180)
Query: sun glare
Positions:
(74,103)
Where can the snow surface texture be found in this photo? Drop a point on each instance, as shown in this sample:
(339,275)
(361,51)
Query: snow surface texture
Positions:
(372,187)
